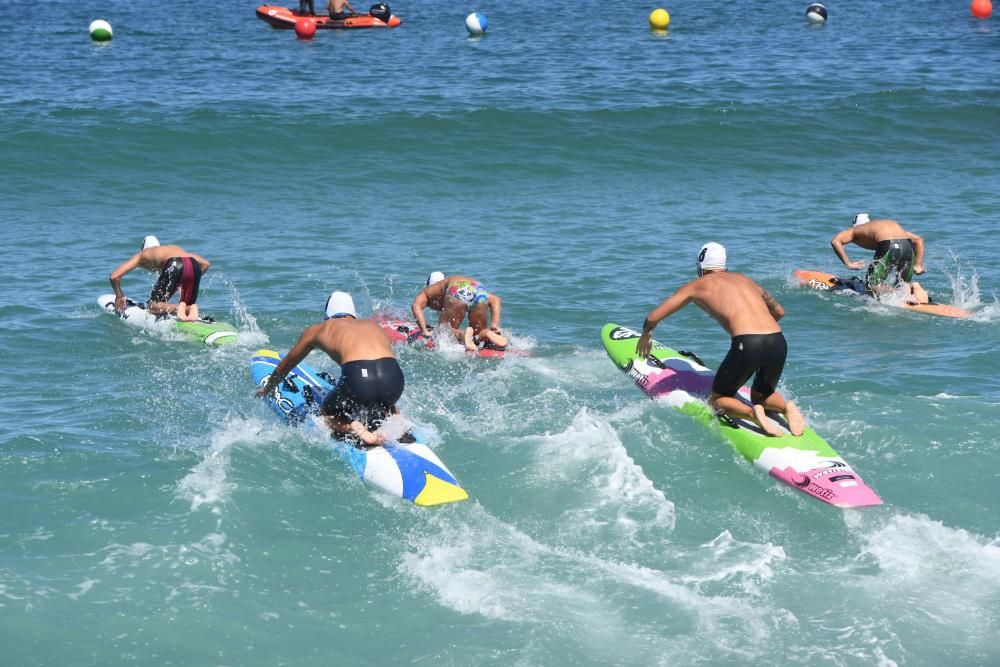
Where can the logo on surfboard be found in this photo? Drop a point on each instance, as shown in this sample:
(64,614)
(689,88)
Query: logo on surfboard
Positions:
(621,333)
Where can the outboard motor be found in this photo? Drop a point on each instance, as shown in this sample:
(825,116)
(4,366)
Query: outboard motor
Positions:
(381,11)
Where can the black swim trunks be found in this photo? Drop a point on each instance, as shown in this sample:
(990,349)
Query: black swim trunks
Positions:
(749,354)
(366,391)
(178,272)
(894,255)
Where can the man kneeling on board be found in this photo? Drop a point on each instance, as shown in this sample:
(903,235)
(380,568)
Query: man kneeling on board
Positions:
(371,380)
(455,297)
(898,254)
(750,314)
(178,269)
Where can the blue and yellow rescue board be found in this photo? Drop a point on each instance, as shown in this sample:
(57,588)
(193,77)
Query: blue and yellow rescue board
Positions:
(406,470)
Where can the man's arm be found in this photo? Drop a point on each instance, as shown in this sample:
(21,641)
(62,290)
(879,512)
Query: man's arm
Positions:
(204,263)
(773,307)
(116,279)
(671,305)
(496,304)
(918,260)
(418,305)
(837,243)
(305,345)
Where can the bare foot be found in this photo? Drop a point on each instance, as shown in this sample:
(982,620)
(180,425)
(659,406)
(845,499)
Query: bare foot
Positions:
(495,339)
(796,423)
(918,294)
(765,422)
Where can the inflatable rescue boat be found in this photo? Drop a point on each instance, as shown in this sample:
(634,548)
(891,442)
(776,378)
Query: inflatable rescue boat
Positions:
(379,16)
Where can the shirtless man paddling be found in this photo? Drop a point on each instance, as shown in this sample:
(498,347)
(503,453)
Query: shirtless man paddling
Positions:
(179,269)
(750,315)
(899,254)
(455,297)
(371,380)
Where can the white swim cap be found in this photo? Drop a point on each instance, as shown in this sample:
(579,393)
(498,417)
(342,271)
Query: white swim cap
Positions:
(860,219)
(150,242)
(711,256)
(340,304)
(435,277)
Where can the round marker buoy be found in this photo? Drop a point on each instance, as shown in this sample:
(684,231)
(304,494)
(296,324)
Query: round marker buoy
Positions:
(475,23)
(100,31)
(981,9)
(305,28)
(816,14)
(659,19)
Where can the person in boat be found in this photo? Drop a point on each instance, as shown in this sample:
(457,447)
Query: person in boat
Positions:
(750,314)
(179,269)
(371,381)
(307,8)
(336,9)
(899,255)
(455,297)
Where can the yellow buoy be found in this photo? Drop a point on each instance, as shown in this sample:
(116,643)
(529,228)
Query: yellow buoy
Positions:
(659,19)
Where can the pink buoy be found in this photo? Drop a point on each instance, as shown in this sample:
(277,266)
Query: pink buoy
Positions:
(305,28)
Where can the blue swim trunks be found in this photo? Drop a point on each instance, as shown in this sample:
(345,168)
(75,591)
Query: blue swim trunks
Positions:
(468,292)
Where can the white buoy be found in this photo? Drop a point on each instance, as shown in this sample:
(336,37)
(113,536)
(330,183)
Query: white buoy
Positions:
(475,23)
(816,14)
(100,31)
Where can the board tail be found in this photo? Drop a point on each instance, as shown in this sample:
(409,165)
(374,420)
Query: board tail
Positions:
(835,483)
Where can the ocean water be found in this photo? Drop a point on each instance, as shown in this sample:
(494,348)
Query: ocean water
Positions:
(155,513)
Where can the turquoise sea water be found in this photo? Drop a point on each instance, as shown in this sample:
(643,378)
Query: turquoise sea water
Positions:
(155,513)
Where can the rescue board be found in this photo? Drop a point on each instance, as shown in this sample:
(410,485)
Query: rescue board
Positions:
(806,463)
(411,470)
(205,330)
(853,285)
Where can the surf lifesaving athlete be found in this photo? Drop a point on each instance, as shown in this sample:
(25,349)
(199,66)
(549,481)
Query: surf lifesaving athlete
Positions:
(179,269)
(371,380)
(750,314)
(455,297)
(336,9)
(898,255)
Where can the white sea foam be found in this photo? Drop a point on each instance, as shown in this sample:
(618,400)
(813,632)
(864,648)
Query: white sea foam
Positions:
(729,562)
(488,568)
(964,280)
(955,572)
(83,588)
(589,454)
(212,550)
(207,483)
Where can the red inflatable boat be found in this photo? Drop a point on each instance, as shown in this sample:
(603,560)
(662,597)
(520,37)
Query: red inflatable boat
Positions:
(285,18)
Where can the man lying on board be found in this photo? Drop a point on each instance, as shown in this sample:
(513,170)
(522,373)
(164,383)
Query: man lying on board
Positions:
(750,314)
(371,380)
(898,255)
(455,297)
(179,269)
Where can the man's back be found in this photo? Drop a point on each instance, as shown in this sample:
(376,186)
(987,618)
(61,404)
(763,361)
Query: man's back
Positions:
(871,233)
(153,258)
(736,302)
(346,340)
